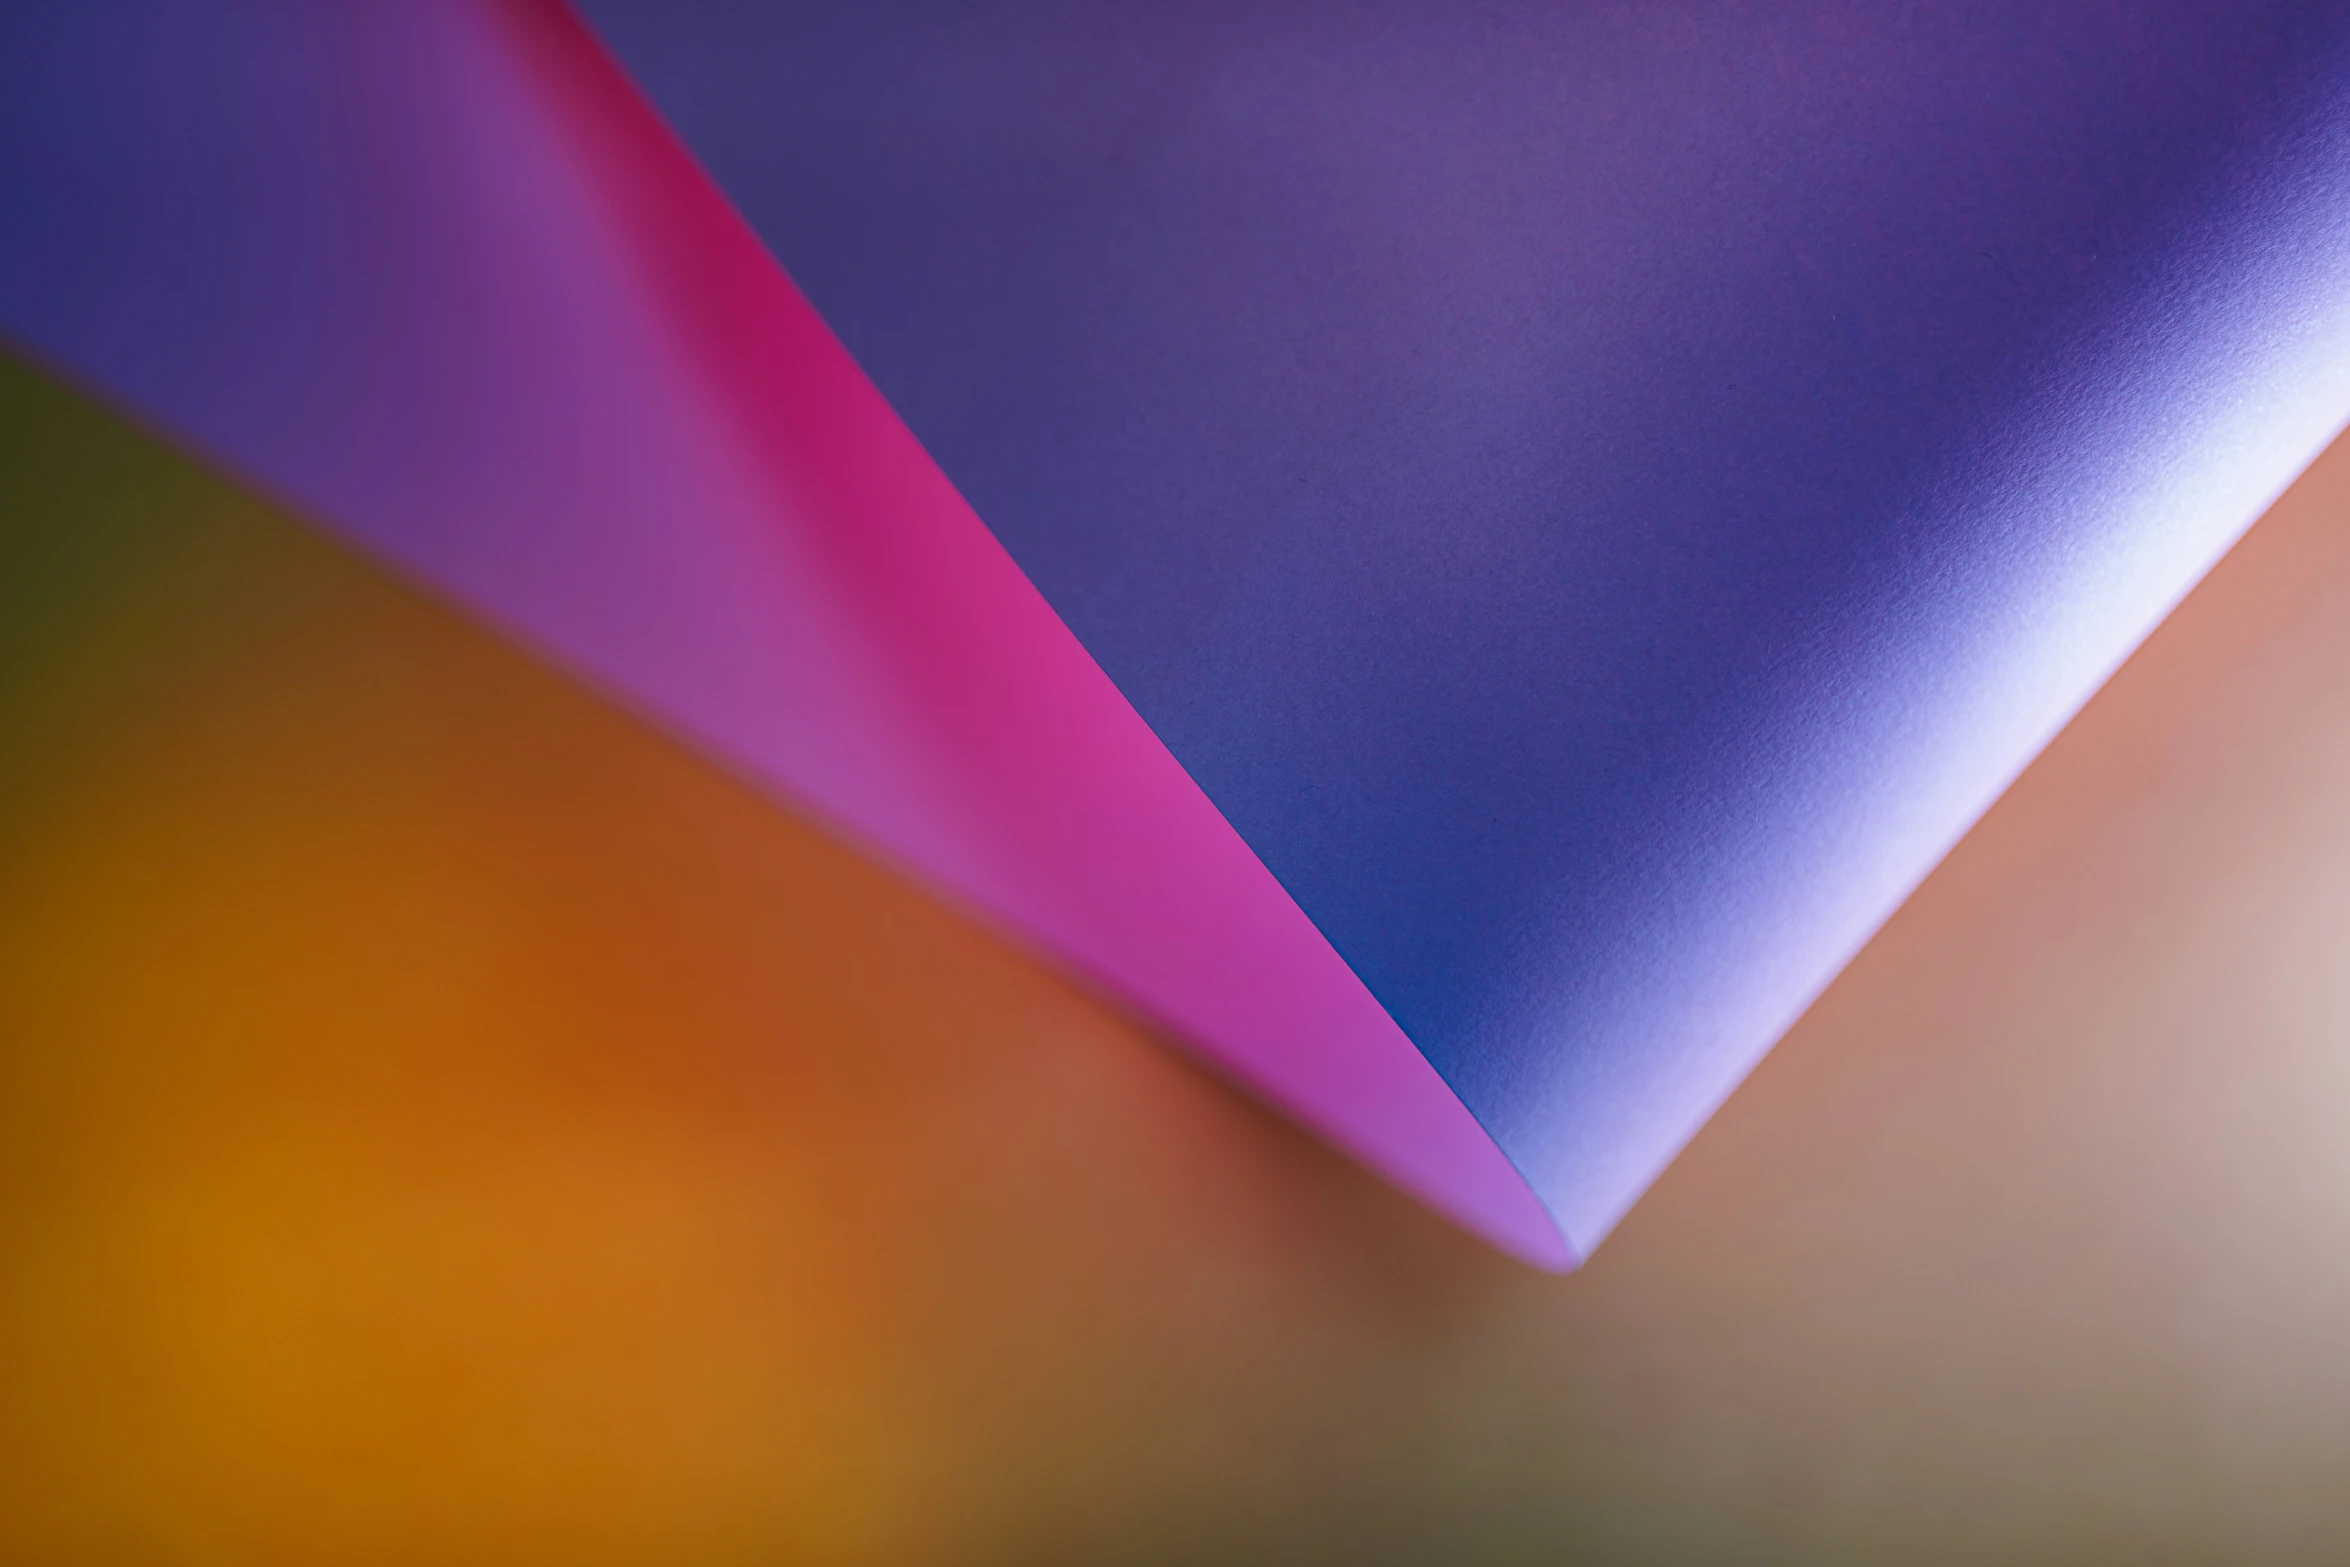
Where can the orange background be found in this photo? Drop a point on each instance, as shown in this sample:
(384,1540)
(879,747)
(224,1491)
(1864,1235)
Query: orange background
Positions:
(443,1120)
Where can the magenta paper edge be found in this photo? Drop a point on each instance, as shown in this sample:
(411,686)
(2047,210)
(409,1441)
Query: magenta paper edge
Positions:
(455,291)
(437,276)
(1015,775)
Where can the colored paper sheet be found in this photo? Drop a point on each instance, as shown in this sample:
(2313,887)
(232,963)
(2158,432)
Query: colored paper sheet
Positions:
(1580,506)
(1601,496)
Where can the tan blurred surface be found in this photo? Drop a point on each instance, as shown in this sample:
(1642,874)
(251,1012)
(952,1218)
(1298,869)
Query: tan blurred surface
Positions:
(443,1121)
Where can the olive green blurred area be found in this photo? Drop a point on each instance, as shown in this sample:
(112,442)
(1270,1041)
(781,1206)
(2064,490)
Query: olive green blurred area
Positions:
(443,1120)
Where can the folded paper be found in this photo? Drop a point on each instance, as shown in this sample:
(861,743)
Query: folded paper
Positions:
(1460,558)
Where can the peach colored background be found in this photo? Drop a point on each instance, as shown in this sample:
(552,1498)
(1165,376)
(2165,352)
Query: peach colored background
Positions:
(440,1120)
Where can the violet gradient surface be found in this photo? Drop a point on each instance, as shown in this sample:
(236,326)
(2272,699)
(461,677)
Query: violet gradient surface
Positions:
(1600,495)
(434,274)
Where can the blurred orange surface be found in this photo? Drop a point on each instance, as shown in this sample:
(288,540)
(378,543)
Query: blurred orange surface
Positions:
(442,1119)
